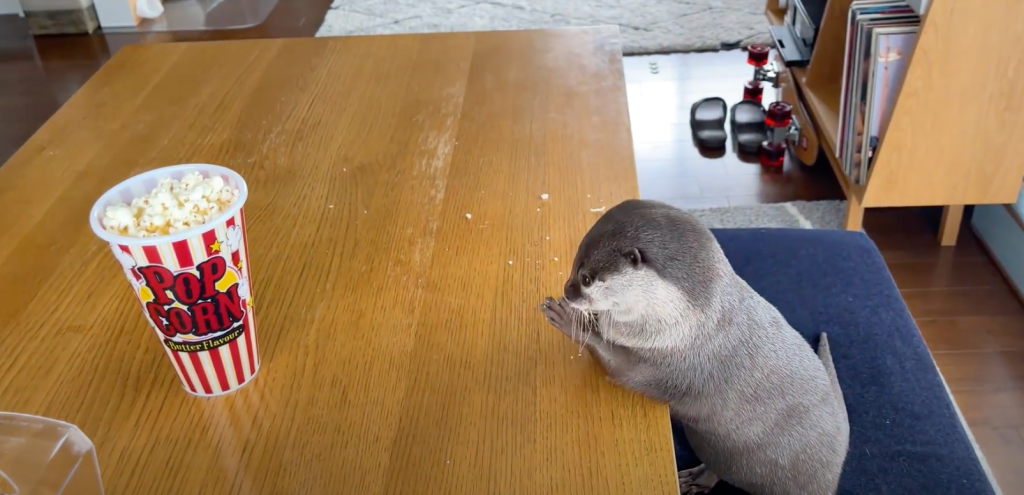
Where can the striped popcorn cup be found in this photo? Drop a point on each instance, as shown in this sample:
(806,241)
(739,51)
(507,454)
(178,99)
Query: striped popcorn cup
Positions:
(193,285)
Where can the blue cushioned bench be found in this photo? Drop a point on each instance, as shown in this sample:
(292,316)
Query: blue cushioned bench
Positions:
(905,436)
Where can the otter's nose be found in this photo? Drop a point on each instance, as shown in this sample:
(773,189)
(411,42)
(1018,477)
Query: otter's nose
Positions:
(572,291)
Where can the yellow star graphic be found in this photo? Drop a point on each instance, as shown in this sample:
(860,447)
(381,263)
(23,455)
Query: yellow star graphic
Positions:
(239,264)
(215,247)
(250,302)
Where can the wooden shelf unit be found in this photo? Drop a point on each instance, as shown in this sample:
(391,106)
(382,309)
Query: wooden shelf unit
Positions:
(956,134)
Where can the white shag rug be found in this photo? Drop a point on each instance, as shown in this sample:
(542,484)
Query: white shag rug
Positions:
(647,26)
(795,215)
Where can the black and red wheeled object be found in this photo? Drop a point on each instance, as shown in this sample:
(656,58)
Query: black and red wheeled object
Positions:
(788,125)
(779,123)
(757,56)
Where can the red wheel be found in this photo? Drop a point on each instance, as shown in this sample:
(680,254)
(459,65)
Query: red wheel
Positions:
(772,155)
(753,90)
(779,114)
(757,55)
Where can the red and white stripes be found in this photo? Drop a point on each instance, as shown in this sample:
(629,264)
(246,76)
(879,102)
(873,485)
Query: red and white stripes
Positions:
(229,359)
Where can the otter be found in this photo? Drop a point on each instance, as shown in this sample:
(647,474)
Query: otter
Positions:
(653,298)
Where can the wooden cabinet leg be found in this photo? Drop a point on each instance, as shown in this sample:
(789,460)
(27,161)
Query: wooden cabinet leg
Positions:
(950,227)
(854,214)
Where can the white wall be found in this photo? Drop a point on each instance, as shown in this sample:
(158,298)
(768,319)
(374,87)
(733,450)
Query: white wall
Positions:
(1004,239)
(1020,202)
(10,7)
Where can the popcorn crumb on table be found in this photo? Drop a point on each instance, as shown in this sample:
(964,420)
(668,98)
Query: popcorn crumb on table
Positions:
(172,206)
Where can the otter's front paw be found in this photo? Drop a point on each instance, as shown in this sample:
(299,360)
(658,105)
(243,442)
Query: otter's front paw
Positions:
(697,480)
(557,313)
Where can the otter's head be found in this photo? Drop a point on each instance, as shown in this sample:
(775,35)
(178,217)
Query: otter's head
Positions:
(644,257)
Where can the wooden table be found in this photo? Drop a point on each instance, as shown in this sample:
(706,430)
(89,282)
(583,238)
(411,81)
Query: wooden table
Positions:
(403,347)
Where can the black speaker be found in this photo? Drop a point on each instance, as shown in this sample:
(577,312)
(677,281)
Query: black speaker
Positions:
(815,10)
(795,37)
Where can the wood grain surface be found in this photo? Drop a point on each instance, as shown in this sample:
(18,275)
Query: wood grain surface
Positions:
(402,351)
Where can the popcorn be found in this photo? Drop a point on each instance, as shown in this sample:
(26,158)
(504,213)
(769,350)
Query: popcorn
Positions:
(172,206)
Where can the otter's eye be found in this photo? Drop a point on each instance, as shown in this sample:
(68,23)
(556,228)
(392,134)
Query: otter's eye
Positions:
(586,280)
(634,257)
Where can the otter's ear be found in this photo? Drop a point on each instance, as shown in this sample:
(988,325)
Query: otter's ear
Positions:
(634,257)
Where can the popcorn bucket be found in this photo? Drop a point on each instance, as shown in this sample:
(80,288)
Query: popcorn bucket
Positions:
(193,284)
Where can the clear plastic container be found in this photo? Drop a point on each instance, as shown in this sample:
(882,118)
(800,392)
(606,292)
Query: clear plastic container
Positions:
(42,456)
(201,15)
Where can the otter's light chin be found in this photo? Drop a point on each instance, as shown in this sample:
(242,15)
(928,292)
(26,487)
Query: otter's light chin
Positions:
(601,306)
(625,314)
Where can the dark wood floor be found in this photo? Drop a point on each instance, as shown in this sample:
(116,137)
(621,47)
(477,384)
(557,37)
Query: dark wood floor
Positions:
(37,75)
(969,316)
